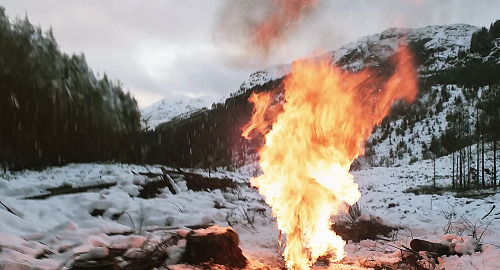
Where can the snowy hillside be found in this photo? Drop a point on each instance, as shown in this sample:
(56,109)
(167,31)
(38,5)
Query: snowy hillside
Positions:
(263,76)
(399,143)
(441,41)
(169,108)
(408,136)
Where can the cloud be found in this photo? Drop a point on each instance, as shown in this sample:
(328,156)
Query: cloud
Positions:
(158,48)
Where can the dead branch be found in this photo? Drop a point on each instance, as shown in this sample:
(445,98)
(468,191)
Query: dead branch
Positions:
(172,164)
(8,209)
(148,174)
(168,180)
(489,212)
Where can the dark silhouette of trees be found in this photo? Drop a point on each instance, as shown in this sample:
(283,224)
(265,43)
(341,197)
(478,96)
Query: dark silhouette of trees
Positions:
(480,42)
(53,109)
(489,123)
(208,138)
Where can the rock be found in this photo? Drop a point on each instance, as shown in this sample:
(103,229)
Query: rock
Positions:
(218,245)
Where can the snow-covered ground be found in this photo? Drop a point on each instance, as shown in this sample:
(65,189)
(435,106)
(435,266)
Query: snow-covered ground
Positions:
(50,233)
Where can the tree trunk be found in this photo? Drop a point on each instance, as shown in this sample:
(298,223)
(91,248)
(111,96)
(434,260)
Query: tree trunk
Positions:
(477,149)
(461,172)
(458,169)
(477,163)
(468,167)
(434,178)
(482,162)
(220,247)
(453,171)
(494,163)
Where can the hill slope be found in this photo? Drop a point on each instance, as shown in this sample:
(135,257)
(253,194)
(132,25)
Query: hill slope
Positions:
(410,133)
(170,108)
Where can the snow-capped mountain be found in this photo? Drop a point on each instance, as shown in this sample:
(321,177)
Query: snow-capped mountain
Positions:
(439,43)
(172,107)
(451,78)
(437,47)
(262,77)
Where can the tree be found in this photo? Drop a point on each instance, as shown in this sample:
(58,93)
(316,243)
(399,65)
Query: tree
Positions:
(491,121)
(480,43)
(52,107)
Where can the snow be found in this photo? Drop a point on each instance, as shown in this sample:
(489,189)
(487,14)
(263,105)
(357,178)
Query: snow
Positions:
(443,41)
(52,233)
(423,130)
(62,227)
(263,76)
(172,107)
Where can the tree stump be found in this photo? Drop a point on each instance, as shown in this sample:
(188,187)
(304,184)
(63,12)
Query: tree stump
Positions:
(218,245)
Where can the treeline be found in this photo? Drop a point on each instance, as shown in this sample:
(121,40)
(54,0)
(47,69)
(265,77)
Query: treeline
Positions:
(480,82)
(53,109)
(482,41)
(208,138)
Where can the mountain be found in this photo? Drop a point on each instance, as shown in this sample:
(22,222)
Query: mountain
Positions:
(172,107)
(440,42)
(436,46)
(181,106)
(455,107)
(262,77)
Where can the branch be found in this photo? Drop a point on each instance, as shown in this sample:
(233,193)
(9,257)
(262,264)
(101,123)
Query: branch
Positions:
(8,209)
(489,212)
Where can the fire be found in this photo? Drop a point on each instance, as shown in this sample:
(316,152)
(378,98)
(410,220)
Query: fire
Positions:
(327,116)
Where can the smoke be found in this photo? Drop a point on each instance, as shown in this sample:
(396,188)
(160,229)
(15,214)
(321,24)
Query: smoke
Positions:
(252,33)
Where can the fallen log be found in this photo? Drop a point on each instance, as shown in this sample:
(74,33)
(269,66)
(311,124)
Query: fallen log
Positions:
(194,182)
(147,174)
(68,189)
(168,180)
(434,248)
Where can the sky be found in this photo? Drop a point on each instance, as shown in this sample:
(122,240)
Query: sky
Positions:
(160,49)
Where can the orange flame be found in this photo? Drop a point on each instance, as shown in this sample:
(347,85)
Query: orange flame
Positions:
(327,116)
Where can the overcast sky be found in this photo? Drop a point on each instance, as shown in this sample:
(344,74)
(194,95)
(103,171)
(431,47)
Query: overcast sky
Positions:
(162,48)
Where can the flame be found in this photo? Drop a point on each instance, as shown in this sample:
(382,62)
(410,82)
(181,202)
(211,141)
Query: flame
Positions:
(311,142)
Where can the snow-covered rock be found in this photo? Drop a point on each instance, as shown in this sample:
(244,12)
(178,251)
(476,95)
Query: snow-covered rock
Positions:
(171,107)
(440,41)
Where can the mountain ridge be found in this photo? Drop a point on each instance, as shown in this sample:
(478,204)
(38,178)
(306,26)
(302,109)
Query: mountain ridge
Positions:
(443,54)
(173,107)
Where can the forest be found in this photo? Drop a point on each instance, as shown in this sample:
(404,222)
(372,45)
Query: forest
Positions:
(54,109)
